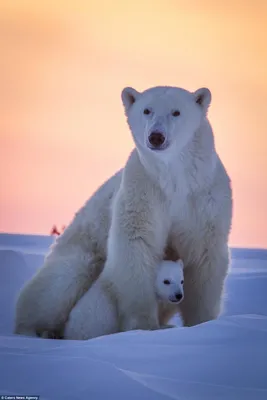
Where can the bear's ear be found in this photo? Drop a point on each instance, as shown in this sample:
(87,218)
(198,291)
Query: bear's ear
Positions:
(180,263)
(129,97)
(203,98)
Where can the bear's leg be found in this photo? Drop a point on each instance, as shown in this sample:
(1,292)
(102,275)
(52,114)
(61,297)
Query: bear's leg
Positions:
(94,315)
(203,288)
(44,303)
(129,276)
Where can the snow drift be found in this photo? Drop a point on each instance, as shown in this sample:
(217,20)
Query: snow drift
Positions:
(222,359)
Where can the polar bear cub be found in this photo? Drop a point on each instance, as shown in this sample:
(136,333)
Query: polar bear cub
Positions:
(95,314)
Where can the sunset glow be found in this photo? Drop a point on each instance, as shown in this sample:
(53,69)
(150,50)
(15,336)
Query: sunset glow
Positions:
(62,126)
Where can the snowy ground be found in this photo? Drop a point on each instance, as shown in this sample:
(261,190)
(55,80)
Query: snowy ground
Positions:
(223,359)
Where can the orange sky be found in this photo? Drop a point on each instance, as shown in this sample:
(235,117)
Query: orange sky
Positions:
(62,68)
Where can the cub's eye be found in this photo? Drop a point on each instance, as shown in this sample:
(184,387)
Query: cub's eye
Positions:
(166,282)
(176,113)
(182,282)
(147,111)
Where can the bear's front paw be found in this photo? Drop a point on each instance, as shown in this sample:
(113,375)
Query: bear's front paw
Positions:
(138,323)
(51,335)
(167,326)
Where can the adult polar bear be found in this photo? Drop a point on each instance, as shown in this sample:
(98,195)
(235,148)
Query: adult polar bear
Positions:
(173,193)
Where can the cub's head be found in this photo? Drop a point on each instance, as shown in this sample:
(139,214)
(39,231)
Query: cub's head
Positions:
(162,119)
(170,281)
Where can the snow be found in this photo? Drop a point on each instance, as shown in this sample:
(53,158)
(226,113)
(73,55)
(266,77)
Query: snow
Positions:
(222,359)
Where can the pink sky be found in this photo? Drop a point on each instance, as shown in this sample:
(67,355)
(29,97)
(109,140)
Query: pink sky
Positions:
(62,126)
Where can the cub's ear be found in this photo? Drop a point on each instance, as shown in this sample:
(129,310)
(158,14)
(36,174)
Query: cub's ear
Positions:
(203,98)
(180,263)
(129,97)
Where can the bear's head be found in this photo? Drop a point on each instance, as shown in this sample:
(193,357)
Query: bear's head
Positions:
(170,281)
(165,119)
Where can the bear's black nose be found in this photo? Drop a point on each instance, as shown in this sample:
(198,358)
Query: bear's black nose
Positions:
(179,296)
(156,139)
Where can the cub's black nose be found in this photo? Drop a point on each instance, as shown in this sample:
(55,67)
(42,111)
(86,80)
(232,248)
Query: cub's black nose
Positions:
(156,139)
(179,296)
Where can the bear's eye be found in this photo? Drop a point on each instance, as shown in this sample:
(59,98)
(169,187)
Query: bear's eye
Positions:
(182,282)
(166,282)
(147,111)
(176,113)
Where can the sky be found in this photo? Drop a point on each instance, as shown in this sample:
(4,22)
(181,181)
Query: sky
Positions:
(62,126)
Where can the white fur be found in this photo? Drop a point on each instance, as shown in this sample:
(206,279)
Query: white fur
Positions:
(95,314)
(178,196)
